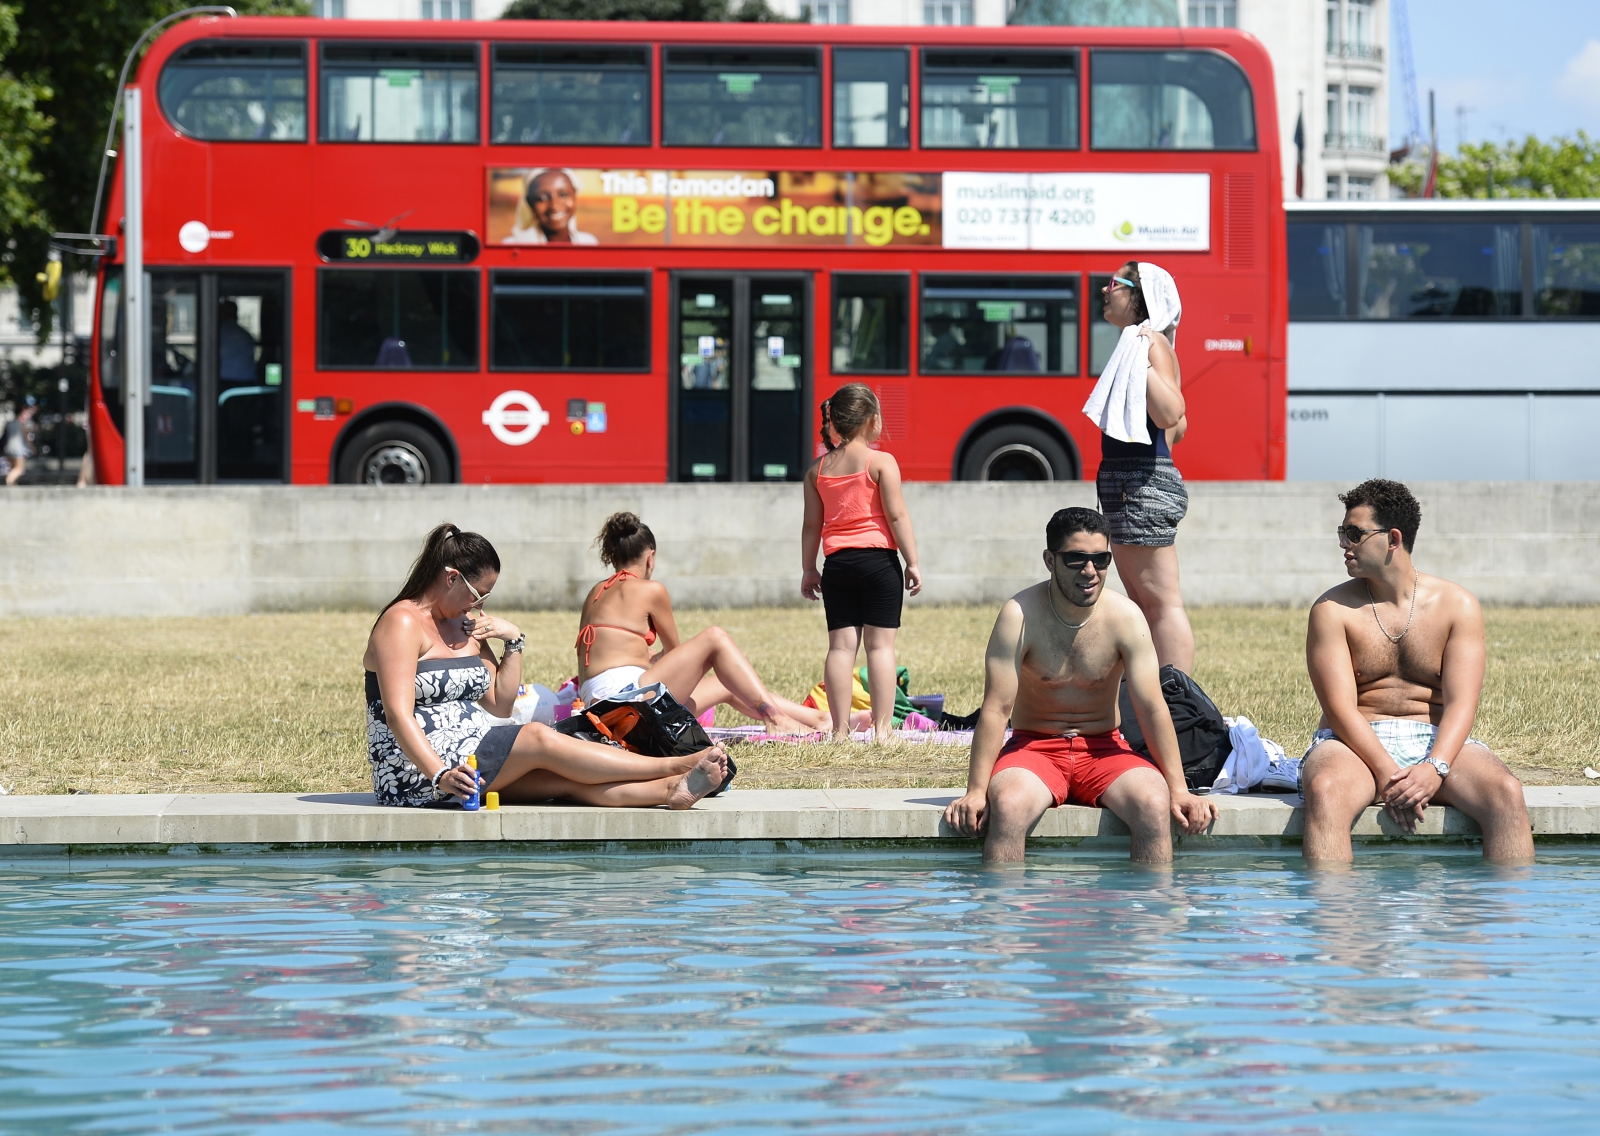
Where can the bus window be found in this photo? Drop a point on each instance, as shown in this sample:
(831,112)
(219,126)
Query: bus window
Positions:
(571,95)
(397,319)
(1566,270)
(972,324)
(1103,336)
(392,93)
(871,97)
(1169,100)
(870,328)
(741,97)
(569,321)
(1436,270)
(229,90)
(111,308)
(1016,100)
(1317,270)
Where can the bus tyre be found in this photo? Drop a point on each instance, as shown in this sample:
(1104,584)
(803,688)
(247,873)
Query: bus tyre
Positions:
(1017,453)
(393,453)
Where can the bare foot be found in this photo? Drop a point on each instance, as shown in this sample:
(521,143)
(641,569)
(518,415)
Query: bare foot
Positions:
(702,779)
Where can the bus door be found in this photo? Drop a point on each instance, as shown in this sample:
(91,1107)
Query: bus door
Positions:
(218,377)
(740,377)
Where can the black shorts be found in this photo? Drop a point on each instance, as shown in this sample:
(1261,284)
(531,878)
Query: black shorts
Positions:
(862,587)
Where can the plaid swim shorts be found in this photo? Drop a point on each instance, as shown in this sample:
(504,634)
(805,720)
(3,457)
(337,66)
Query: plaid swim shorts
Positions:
(1143,500)
(1406,741)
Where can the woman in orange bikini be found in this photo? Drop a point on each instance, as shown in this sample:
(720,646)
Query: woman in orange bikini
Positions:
(627,614)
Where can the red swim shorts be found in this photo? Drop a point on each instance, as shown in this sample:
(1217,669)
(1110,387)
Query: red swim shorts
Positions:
(1078,768)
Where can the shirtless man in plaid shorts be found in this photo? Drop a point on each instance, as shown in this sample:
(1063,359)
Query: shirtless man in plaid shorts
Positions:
(1053,668)
(1396,659)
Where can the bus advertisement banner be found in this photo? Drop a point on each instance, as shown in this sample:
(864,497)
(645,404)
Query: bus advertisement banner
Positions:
(743,208)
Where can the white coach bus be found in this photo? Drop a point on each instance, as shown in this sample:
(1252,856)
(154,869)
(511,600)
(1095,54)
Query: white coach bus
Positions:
(1444,340)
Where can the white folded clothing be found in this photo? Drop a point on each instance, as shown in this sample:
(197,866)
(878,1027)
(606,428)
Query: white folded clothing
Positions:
(1117,403)
(1255,761)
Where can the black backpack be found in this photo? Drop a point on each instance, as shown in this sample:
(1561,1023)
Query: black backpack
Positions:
(1202,734)
(661,727)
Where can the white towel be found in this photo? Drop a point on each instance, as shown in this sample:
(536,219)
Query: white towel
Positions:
(1116,404)
(1255,760)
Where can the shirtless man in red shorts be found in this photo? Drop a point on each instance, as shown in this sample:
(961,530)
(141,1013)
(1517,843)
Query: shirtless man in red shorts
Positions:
(1054,665)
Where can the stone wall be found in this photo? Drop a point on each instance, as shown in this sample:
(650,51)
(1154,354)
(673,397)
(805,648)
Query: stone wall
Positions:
(170,551)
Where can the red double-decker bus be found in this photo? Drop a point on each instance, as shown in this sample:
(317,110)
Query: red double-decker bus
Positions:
(526,252)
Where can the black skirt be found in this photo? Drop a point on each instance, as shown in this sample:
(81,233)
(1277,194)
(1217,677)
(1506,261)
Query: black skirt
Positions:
(862,587)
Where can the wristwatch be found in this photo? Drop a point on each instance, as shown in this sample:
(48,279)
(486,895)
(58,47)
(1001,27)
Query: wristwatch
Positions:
(1439,767)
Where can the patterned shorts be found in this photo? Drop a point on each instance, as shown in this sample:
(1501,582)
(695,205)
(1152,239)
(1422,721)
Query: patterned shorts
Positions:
(1143,500)
(1406,741)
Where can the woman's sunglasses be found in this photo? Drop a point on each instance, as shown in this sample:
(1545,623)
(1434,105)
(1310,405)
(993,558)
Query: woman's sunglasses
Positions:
(1076,560)
(1128,284)
(477,597)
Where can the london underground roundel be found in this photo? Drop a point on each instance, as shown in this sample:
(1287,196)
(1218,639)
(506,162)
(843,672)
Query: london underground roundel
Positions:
(515,417)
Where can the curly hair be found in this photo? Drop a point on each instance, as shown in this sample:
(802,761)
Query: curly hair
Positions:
(1392,506)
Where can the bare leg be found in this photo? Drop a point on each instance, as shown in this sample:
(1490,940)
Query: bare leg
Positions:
(841,660)
(1483,788)
(1338,786)
(1141,800)
(682,668)
(881,678)
(17,466)
(1017,799)
(1150,576)
(585,763)
(710,691)
(679,792)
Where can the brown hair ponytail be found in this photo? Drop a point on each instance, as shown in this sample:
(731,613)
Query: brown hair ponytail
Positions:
(447,547)
(848,412)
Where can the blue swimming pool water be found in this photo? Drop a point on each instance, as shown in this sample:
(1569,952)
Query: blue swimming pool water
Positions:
(1420,993)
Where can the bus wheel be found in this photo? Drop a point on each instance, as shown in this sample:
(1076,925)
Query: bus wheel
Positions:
(393,453)
(1017,453)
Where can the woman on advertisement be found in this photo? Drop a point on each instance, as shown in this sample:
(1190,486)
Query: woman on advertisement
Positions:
(1138,405)
(548,211)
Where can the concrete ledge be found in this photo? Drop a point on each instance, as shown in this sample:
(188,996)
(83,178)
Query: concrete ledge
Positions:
(857,816)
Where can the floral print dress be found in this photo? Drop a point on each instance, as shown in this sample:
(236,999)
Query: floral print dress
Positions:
(456,726)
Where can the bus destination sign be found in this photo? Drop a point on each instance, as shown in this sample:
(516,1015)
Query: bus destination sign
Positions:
(361,246)
(1059,210)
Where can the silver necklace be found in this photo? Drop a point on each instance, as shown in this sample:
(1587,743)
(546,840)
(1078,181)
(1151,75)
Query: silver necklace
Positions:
(1374,603)
(1051,596)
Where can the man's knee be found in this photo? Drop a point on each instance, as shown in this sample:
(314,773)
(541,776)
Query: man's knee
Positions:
(1017,799)
(1324,783)
(1144,801)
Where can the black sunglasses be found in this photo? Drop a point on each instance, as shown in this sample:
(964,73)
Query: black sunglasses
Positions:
(1076,560)
(1354,534)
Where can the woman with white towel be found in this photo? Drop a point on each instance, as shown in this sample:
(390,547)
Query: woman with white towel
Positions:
(1138,405)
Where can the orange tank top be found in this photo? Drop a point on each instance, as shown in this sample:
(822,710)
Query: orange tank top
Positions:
(852,513)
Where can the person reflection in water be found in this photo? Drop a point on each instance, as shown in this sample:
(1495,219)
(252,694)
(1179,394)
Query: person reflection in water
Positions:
(548,212)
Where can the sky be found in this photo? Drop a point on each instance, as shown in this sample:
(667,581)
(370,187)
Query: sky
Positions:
(1519,67)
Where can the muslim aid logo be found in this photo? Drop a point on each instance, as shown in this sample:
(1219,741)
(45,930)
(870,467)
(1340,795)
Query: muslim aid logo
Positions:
(1124,231)
(515,418)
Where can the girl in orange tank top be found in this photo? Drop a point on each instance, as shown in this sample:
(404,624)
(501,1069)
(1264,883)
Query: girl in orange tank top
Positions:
(856,515)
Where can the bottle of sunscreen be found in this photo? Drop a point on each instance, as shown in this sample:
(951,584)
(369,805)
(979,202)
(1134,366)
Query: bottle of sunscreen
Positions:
(473,803)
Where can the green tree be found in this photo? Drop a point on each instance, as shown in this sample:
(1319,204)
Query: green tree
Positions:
(1561,167)
(72,51)
(712,11)
(23,130)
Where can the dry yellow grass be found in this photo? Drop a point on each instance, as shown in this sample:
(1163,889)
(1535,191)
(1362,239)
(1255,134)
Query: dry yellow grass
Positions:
(272,703)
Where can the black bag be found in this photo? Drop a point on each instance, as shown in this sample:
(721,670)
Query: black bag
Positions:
(661,727)
(1203,738)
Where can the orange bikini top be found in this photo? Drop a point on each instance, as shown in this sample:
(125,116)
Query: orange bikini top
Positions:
(586,632)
